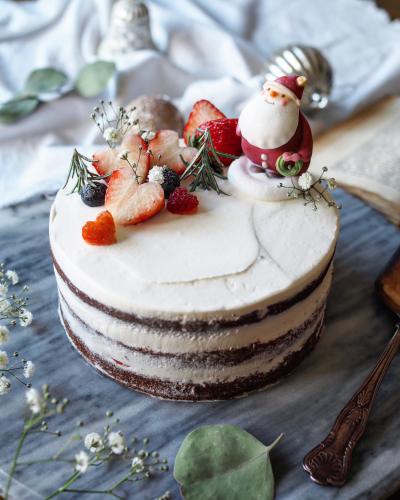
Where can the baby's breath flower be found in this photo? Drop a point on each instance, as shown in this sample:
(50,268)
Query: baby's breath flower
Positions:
(156,175)
(4,304)
(82,461)
(117,442)
(34,400)
(3,290)
(12,276)
(3,334)
(123,155)
(111,134)
(5,385)
(148,135)
(29,369)
(3,359)
(331,184)
(138,464)
(305,181)
(93,441)
(25,317)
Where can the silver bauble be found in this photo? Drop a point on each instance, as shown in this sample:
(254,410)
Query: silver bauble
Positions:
(304,61)
(129,30)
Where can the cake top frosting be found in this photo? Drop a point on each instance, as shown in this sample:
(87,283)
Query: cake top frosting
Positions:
(238,253)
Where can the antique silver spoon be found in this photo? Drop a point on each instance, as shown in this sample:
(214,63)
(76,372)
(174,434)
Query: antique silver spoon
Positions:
(329,462)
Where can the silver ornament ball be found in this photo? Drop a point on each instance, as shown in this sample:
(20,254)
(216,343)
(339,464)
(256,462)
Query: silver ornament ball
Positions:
(304,61)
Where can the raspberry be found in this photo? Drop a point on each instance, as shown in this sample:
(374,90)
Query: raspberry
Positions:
(181,202)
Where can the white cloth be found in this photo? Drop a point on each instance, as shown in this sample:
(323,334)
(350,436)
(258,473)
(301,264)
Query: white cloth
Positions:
(208,49)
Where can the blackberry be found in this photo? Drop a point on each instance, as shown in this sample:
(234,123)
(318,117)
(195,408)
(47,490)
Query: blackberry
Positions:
(94,196)
(171,182)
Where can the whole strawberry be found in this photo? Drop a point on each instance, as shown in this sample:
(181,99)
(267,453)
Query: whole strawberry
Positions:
(183,203)
(203,111)
(224,138)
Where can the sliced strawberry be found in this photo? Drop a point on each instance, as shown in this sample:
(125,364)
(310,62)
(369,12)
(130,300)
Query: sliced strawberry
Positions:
(224,138)
(108,160)
(131,202)
(101,231)
(203,111)
(166,144)
(183,203)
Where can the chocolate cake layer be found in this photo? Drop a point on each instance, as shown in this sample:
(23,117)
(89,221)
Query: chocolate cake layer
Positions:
(209,358)
(197,325)
(188,391)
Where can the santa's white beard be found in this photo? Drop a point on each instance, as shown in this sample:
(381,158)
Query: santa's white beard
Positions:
(268,126)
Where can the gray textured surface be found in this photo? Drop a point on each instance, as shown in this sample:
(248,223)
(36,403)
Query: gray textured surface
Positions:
(304,405)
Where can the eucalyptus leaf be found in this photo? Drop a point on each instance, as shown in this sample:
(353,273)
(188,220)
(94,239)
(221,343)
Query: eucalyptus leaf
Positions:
(44,80)
(14,109)
(224,462)
(94,77)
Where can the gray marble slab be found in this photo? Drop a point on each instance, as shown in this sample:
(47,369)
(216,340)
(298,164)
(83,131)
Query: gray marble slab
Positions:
(304,406)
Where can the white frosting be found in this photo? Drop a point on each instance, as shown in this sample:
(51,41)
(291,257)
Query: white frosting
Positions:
(182,342)
(294,245)
(266,124)
(170,248)
(252,181)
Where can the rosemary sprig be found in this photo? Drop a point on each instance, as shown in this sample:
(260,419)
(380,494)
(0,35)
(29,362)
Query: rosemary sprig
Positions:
(205,166)
(79,169)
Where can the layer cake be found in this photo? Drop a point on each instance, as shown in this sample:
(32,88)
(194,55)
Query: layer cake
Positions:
(197,308)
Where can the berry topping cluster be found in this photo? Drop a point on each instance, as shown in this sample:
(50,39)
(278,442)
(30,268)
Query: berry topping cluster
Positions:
(133,187)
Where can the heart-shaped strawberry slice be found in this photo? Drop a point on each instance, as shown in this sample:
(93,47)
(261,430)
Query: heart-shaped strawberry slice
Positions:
(101,231)
(166,144)
(131,202)
(108,161)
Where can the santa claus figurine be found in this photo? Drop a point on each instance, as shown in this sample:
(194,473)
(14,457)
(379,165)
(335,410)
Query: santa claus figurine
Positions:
(274,132)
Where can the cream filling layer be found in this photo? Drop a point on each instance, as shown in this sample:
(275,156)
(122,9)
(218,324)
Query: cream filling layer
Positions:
(180,342)
(168,369)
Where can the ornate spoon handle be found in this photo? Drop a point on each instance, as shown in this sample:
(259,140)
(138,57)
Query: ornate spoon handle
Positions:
(330,461)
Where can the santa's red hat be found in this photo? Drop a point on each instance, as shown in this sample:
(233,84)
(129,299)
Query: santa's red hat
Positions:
(293,86)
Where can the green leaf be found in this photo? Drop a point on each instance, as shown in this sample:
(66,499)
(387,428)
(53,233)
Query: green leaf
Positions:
(14,109)
(94,77)
(44,80)
(226,463)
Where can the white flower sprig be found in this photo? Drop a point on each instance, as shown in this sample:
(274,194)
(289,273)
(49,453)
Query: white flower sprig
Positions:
(113,129)
(124,156)
(5,385)
(309,186)
(27,366)
(156,174)
(147,135)
(12,308)
(110,446)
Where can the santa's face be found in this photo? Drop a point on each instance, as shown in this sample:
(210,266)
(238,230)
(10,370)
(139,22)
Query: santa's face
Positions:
(270,119)
(274,95)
